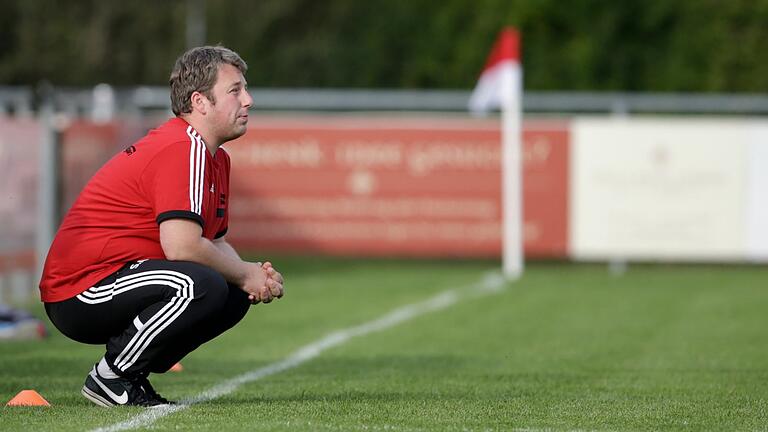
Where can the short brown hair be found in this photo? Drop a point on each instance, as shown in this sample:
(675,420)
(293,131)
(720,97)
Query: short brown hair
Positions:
(196,71)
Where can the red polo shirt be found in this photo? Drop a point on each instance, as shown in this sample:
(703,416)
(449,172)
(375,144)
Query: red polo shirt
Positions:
(167,174)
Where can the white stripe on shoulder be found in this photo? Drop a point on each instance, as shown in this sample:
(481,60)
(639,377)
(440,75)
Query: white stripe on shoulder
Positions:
(192,160)
(201,169)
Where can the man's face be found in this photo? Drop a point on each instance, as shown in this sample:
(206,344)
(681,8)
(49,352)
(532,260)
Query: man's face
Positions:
(229,114)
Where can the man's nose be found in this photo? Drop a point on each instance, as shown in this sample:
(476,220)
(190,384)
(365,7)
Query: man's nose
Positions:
(247,99)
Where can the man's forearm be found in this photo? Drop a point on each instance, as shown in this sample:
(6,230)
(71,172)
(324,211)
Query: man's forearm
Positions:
(182,240)
(226,248)
(222,258)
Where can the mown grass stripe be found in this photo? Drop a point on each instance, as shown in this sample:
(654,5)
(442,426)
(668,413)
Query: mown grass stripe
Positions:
(491,283)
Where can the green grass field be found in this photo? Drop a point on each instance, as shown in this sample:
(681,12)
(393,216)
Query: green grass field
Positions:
(568,347)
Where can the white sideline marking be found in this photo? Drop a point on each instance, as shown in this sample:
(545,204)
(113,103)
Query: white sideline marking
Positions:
(491,283)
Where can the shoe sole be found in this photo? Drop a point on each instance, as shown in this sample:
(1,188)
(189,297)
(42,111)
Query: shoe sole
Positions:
(100,401)
(95,398)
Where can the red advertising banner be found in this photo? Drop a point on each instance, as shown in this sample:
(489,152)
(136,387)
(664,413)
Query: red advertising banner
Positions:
(19,172)
(85,147)
(396,186)
(546,155)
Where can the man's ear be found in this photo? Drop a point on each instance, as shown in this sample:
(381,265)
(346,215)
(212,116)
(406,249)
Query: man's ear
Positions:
(199,102)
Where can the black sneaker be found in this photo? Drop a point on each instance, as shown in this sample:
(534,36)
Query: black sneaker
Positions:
(150,392)
(109,392)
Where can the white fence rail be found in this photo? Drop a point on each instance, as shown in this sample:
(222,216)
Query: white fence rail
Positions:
(23,101)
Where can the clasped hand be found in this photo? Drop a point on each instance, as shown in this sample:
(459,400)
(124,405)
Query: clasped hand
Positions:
(264,284)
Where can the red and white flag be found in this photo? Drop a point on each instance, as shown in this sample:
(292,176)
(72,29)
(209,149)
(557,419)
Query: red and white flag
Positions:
(499,84)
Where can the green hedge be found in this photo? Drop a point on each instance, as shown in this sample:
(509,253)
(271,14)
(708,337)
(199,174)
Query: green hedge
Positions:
(628,45)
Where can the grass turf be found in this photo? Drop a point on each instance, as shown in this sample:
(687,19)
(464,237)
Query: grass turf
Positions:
(671,348)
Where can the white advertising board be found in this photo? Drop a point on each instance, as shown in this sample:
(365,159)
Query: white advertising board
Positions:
(757,194)
(658,189)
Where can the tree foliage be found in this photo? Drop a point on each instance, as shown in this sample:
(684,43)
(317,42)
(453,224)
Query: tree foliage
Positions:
(632,45)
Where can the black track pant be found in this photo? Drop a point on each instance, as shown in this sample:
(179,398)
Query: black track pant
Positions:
(151,313)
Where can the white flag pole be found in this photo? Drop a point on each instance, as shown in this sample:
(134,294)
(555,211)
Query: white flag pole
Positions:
(512,176)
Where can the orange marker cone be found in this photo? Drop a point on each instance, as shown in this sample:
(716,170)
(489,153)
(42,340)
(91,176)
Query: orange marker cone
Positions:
(28,398)
(176,368)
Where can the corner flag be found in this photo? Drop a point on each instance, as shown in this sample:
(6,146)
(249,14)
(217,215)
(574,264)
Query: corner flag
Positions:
(500,86)
(494,89)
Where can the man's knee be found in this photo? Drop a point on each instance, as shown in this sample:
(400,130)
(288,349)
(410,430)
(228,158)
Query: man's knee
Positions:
(208,285)
(238,301)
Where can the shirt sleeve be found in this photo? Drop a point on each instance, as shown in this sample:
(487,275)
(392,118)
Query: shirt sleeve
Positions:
(174,182)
